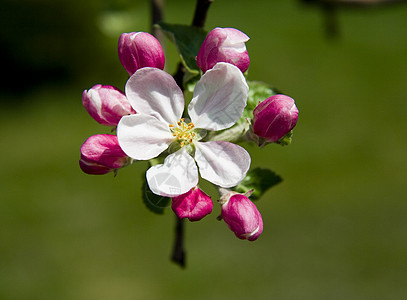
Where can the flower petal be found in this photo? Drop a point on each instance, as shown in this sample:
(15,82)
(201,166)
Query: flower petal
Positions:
(222,163)
(175,177)
(154,92)
(235,39)
(219,98)
(143,137)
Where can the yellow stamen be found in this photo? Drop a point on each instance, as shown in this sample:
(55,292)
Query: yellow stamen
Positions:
(183,132)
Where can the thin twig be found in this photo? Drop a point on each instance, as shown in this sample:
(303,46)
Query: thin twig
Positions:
(201,10)
(331,20)
(179,75)
(157,8)
(178,253)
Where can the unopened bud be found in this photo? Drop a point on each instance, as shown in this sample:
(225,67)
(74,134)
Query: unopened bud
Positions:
(224,45)
(101,154)
(138,50)
(194,205)
(106,104)
(242,216)
(275,117)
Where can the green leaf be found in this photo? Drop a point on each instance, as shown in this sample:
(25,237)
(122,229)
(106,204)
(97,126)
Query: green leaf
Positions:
(188,40)
(153,202)
(260,180)
(286,140)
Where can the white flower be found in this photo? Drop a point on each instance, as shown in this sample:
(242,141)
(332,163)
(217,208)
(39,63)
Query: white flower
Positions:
(218,102)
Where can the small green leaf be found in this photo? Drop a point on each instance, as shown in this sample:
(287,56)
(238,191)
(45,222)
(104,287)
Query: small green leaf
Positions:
(286,140)
(260,180)
(188,40)
(153,202)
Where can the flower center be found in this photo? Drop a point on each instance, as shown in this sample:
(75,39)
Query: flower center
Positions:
(183,132)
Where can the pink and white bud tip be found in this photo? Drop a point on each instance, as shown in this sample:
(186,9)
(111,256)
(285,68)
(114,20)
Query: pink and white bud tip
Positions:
(106,104)
(224,45)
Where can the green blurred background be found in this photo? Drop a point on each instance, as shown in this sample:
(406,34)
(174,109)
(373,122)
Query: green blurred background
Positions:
(334,229)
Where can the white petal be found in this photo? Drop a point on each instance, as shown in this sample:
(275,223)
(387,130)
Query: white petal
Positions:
(222,163)
(175,177)
(143,137)
(219,98)
(154,92)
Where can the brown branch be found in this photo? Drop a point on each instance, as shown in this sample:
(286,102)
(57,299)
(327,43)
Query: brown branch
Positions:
(157,7)
(331,20)
(201,10)
(178,252)
(179,75)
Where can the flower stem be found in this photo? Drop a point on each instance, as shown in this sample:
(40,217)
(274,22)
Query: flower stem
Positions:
(157,16)
(178,252)
(201,10)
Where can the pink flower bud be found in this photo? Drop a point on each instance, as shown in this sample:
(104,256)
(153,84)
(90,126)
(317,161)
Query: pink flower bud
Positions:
(193,205)
(275,117)
(224,45)
(138,50)
(101,154)
(242,217)
(106,104)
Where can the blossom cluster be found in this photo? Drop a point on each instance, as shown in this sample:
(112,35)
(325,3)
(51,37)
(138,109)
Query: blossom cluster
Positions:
(153,124)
